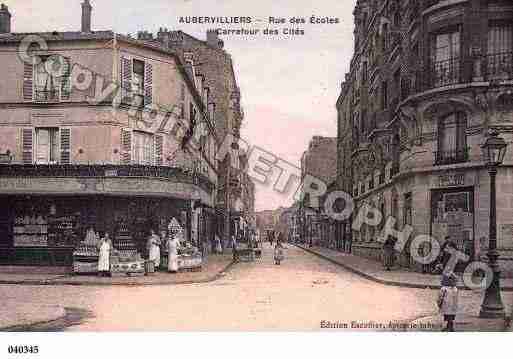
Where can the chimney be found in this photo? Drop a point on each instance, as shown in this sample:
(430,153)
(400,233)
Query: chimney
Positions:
(87,9)
(5,20)
(214,40)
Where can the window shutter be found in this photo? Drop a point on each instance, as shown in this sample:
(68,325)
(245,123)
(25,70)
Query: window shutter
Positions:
(66,80)
(148,84)
(126,146)
(28,81)
(27,140)
(126,77)
(65,134)
(159,150)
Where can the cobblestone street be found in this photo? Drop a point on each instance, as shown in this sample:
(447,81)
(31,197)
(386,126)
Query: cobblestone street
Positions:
(297,295)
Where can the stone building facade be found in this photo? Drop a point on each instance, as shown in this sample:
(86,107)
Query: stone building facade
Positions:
(216,67)
(74,158)
(428,79)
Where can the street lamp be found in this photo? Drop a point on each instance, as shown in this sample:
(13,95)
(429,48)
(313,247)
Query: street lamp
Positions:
(494,150)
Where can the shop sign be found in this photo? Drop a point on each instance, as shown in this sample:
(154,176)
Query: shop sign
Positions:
(450,180)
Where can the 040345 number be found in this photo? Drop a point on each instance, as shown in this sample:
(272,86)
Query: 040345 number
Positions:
(23,349)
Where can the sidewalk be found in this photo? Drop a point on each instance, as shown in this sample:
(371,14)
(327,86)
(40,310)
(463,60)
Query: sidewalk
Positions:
(18,314)
(212,269)
(470,301)
(374,271)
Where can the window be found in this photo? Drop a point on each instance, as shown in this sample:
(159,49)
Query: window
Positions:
(47,145)
(452,139)
(363,119)
(385,37)
(397,83)
(138,80)
(384,95)
(445,57)
(407,209)
(500,50)
(46,82)
(143,148)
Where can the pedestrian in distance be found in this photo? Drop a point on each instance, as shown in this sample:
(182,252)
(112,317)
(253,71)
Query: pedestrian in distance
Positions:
(278,253)
(234,249)
(448,300)
(388,253)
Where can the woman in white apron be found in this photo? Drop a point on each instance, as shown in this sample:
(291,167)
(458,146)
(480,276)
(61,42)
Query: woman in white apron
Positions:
(172,249)
(104,256)
(153,246)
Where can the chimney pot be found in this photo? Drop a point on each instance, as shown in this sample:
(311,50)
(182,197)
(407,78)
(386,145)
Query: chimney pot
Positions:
(87,9)
(5,20)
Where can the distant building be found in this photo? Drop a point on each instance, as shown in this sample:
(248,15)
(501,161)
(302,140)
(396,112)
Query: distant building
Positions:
(319,162)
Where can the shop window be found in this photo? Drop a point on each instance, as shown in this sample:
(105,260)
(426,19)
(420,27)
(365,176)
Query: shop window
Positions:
(452,139)
(143,148)
(445,58)
(47,145)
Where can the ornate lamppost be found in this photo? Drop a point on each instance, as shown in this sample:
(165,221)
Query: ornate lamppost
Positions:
(494,150)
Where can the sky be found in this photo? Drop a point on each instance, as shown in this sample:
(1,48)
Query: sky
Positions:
(289,83)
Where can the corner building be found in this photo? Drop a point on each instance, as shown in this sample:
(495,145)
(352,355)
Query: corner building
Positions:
(428,79)
(69,164)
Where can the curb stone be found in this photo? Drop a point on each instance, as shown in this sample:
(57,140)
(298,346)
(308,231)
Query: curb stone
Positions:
(383,281)
(20,327)
(54,282)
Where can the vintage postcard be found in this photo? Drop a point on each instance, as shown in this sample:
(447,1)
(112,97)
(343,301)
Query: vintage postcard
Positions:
(219,165)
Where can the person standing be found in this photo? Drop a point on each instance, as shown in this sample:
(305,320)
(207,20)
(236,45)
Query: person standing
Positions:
(448,300)
(446,252)
(172,250)
(219,247)
(153,246)
(104,247)
(388,253)
(234,249)
(278,252)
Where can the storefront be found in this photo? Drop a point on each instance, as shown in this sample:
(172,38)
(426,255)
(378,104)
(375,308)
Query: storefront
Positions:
(42,230)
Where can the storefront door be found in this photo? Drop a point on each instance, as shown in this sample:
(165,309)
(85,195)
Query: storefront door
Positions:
(452,215)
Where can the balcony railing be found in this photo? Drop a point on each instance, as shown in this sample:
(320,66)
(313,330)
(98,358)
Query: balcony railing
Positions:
(500,66)
(452,156)
(447,72)
(45,95)
(176,174)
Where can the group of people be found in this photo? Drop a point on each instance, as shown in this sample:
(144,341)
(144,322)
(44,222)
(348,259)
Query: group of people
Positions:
(153,245)
(171,243)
